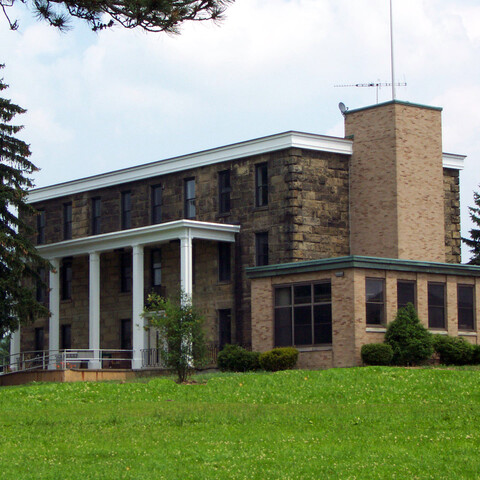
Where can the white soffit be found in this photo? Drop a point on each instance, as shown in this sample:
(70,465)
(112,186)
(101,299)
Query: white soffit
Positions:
(249,148)
(451,160)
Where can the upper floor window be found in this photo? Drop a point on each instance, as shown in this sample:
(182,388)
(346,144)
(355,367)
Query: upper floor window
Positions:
(67,275)
(156,199)
(303,314)
(189,195)
(67,221)
(466,315)
(436,305)
(405,293)
(156,260)
(375,301)
(41,227)
(126,210)
(261,185)
(126,272)
(41,287)
(96,215)
(224,189)
(261,249)
(224,262)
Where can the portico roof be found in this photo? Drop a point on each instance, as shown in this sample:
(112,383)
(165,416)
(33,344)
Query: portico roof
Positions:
(149,235)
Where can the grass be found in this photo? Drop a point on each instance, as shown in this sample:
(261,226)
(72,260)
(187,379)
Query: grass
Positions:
(359,423)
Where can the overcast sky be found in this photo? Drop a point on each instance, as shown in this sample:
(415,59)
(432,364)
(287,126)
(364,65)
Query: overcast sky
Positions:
(99,102)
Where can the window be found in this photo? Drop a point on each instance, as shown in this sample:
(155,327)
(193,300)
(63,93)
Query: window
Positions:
(66,273)
(126,210)
(39,339)
(224,327)
(189,189)
(126,334)
(436,305)
(41,288)
(261,249)
(96,215)
(405,293)
(156,199)
(67,221)
(126,272)
(41,227)
(466,316)
(224,263)
(261,185)
(156,262)
(375,301)
(66,334)
(303,314)
(224,189)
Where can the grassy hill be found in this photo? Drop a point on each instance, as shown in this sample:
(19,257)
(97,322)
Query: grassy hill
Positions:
(359,423)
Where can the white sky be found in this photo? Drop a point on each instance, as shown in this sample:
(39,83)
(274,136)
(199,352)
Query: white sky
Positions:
(99,102)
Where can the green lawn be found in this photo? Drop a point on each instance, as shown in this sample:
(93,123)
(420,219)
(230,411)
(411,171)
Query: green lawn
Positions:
(367,423)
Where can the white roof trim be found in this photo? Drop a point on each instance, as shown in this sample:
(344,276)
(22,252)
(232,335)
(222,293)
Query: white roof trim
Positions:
(150,235)
(451,160)
(257,146)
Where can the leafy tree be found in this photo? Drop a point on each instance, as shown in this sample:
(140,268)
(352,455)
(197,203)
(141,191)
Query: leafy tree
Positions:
(19,260)
(150,15)
(474,241)
(180,325)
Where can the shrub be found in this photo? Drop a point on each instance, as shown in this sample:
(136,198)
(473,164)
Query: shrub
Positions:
(411,342)
(476,355)
(279,359)
(234,358)
(453,350)
(377,354)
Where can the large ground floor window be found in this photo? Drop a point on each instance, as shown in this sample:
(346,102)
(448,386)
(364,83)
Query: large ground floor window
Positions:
(303,314)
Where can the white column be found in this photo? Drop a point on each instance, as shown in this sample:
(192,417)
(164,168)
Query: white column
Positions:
(138,332)
(15,350)
(186,267)
(94,309)
(54,302)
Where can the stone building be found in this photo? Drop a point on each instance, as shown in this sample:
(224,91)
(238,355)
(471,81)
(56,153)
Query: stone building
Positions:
(292,239)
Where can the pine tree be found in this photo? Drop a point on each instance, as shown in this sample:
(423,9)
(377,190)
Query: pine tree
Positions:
(19,260)
(474,241)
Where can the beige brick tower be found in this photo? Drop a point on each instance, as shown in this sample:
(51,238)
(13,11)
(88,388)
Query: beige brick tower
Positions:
(396,182)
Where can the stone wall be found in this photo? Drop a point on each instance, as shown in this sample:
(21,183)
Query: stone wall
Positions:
(452,215)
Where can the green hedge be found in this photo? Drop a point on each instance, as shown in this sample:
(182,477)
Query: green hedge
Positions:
(377,354)
(455,350)
(283,358)
(234,358)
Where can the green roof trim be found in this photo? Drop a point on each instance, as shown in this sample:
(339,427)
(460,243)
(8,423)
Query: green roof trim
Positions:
(356,261)
(392,102)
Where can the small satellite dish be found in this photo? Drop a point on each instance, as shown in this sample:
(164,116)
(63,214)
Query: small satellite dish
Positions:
(342,108)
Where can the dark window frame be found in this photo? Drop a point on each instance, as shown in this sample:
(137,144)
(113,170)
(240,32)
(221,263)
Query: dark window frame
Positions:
(126,334)
(190,211)
(156,266)
(156,203)
(96,224)
(290,313)
(66,336)
(371,306)
(126,209)
(261,184)
(224,327)
(224,262)
(67,278)
(261,249)
(224,192)
(126,272)
(432,308)
(67,221)
(407,282)
(463,310)
(41,286)
(41,222)
(39,339)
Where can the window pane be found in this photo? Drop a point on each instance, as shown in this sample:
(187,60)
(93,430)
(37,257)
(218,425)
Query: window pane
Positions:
(466,317)
(465,296)
(436,317)
(261,184)
(302,294)
(375,314)
(224,264)
(322,292)
(405,293)
(261,243)
(283,296)
(156,204)
(374,289)
(283,327)
(303,325)
(436,295)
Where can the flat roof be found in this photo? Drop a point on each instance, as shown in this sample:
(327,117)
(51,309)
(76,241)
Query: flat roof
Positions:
(394,102)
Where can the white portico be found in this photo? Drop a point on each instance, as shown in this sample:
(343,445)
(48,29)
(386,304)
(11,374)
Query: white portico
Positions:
(136,239)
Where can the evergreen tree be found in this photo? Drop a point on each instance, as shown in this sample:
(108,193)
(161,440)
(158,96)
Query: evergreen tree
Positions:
(150,15)
(474,241)
(19,260)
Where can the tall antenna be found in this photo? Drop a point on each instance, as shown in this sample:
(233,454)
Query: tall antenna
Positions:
(378,85)
(391,50)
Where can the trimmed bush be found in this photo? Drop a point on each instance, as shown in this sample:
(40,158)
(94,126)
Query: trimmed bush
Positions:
(411,342)
(234,358)
(476,355)
(454,350)
(279,359)
(377,354)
